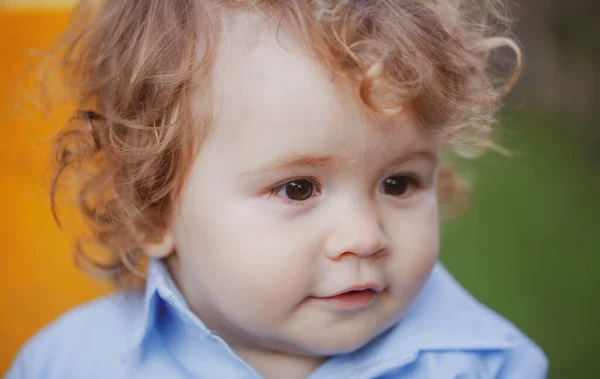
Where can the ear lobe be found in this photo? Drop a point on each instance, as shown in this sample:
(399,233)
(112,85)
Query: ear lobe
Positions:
(162,249)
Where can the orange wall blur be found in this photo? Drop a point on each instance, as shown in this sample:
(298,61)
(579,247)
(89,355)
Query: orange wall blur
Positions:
(38,281)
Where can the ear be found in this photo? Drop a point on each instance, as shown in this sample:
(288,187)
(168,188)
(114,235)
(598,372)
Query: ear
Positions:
(163,248)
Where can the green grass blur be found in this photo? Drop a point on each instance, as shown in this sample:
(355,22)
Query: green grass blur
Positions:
(527,246)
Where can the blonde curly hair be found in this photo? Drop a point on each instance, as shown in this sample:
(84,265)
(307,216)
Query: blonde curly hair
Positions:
(137,66)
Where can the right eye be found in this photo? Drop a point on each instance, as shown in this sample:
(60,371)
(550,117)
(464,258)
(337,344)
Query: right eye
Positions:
(399,185)
(296,190)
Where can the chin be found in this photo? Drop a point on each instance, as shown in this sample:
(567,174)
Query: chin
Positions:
(327,344)
(341,336)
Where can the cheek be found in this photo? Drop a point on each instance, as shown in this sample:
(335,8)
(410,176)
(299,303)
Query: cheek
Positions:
(416,247)
(242,259)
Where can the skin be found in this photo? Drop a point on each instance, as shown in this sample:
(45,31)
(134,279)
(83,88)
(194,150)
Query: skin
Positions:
(253,261)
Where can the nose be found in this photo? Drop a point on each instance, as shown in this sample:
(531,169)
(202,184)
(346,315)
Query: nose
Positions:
(356,232)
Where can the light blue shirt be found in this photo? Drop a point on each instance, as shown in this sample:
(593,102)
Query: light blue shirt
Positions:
(445,334)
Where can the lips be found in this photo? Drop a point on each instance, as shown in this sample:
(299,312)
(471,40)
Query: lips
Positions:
(359,288)
(353,298)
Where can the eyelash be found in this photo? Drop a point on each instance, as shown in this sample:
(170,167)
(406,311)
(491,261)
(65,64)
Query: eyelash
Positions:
(413,179)
(279,187)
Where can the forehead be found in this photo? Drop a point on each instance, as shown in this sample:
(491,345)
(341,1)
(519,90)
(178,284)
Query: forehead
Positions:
(259,68)
(270,92)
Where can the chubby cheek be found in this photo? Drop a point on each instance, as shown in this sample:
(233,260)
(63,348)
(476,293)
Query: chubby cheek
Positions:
(242,261)
(416,250)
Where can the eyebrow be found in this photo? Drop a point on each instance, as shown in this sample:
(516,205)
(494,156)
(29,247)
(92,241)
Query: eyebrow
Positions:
(307,161)
(427,155)
(326,161)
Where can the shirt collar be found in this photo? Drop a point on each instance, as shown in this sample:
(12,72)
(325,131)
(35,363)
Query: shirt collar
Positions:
(161,288)
(443,317)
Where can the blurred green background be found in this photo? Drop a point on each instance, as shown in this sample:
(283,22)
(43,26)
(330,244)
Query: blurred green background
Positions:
(528,246)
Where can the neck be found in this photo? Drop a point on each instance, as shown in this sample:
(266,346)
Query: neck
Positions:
(276,364)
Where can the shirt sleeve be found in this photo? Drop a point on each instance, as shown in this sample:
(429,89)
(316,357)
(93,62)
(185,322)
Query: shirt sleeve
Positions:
(527,361)
(30,361)
(18,368)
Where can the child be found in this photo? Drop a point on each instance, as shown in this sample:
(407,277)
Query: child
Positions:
(276,164)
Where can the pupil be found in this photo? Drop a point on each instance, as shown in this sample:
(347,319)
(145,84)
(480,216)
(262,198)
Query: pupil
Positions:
(396,185)
(299,190)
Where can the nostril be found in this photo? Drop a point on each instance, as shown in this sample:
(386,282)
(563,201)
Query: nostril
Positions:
(344,255)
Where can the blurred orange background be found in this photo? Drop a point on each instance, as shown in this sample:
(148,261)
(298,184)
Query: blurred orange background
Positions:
(35,252)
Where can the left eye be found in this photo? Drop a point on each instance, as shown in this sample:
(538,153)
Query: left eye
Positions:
(398,185)
(296,190)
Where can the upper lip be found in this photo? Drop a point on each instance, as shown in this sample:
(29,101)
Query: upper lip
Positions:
(361,287)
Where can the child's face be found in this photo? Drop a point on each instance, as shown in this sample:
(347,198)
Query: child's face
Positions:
(255,261)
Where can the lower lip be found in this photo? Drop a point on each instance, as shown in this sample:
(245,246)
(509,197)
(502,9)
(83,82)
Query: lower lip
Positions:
(350,300)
